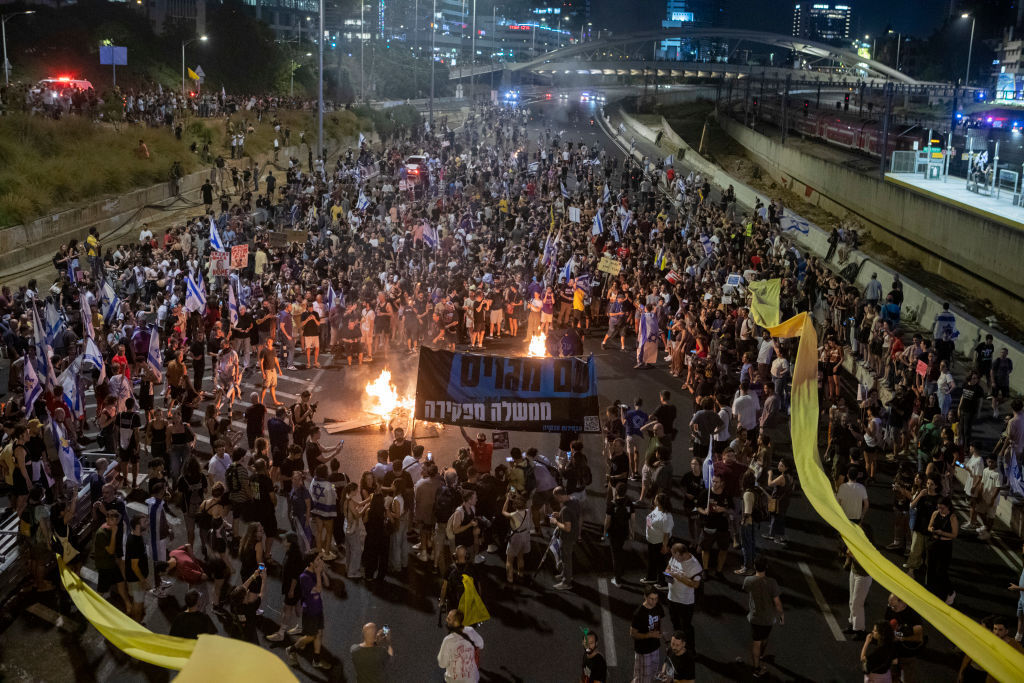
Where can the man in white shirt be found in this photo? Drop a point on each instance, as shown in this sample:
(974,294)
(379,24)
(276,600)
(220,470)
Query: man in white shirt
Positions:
(744,407)
(145,234)
(685,572)
(853,496)
(457,655)
(219,464)
(991,484)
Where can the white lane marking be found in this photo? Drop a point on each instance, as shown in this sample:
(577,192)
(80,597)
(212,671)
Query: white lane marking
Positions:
(994,542)
(607,628)
(823,605)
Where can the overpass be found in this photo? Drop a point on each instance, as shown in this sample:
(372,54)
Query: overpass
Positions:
(629,55)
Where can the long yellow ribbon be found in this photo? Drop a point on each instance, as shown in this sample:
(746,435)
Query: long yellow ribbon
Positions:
(997,657)
(210,658)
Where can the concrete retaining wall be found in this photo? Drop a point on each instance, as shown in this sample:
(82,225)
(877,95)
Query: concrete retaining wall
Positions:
(986,249)
(920,304)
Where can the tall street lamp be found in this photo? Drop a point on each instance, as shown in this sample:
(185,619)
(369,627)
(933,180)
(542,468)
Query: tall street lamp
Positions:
(183,44)
(320,91)
(970,46)
(3,29)
(433,35)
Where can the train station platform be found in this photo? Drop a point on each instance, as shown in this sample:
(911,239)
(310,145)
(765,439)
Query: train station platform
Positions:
(953,191)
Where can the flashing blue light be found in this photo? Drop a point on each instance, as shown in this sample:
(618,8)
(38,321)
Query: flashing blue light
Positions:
(959,115)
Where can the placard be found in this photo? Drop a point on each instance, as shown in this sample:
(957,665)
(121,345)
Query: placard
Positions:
(500,440)
(609,265)
(574,214)
(299,236)
(219,263)
(240,256)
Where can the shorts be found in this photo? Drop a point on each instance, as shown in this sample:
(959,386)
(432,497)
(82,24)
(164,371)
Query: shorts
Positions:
(293,601)
(107,579)
(312,624)
(616,328)
(226,384)
(130,456)
(540,499)
(709,538)
(1001,391)
(497,317)
(760,633)
(136,592)
(270,379)
(518,544)
(545,318)
(311,343)
(634,442)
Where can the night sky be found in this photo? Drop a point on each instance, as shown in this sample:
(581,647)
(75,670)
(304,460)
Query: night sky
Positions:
(915,17)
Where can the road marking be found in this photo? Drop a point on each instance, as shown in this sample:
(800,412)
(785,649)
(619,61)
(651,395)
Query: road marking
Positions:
(1002,551)
(90,575)
(607,629)
(823,605)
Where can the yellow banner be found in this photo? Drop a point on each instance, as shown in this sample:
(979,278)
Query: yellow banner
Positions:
(999,659)
(211,658)
(764,308)
(193,75)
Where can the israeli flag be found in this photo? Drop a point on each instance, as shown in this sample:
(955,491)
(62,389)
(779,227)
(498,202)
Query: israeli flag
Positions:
(33,389)
(71,270)
(430,236)
(215,242)
(615,234)
(627,219)
(708,245)
(333,300)
(648,329)
(109,302)
(668,160)
(363,203)
(565,192)
(568,268)
(1013,476)
(362,139)
(598,224)
(791,221)
(95,358)
(707,470)
(68,460)
(763,213)
(54,322)
(195,294)
(232,306)
(71,391)
(546,258)
(583,282)
(44,365)
(607,194)
(153,356)
(87,328)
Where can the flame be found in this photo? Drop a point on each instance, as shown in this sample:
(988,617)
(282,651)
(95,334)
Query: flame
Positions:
(384,395)
(538,346)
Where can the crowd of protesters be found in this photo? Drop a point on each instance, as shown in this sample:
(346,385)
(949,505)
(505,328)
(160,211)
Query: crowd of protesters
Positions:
(491,234)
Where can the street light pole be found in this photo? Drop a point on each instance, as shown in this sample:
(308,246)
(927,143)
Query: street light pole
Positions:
(362,43)
(970,47)
(3,29)
(183,44)
(433,36)
(320,89)
(472,60)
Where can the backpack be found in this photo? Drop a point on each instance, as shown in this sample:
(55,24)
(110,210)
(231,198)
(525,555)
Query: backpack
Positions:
(621,515)
(586,476)
(760,505)
(232,479)
(529,477)
(445,503)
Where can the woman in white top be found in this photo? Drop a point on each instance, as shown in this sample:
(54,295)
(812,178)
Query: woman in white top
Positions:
(659,528)
(946,384)
(355,530)
(873,439)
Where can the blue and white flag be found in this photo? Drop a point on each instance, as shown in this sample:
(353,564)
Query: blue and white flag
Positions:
(33,389)
(429,235)
(215,242)
(362,139)
(763,213)
(668,160)
(709,246)
(195,294)
(88,331)
(791,221)
(598,227)
(707,470)
(44,365)
(568,268)
(54,321)
(109,302)
(1013,476)
(93,356)
(615,234)
(153,359)
(648,328)
(71,271)
(363,202)
(565,192)
(232,306)
(607,194)
(68,460)
(583,282)
(627,220)
(333,299)
(71,390)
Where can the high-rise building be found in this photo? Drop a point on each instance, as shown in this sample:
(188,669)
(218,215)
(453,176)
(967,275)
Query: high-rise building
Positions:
(822,21)
(695,13)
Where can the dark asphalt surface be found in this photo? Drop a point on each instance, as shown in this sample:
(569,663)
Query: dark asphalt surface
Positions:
(534,633)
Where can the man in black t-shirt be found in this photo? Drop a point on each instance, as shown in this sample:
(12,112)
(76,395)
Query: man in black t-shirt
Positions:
(983,353)
(714,512)
(618,514)
(666,413)
(694,493)
(595,668)
(564,312)
(192,622)
(241,336)
(680,666)
(400,447)
(128,424)
(908,630)
(311,335)
(645,630)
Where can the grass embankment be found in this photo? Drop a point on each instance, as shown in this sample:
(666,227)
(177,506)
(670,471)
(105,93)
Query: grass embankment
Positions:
(47,165)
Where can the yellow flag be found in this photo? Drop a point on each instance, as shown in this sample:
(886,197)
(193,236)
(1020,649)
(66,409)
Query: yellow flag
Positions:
(471,606)
(1000,660)
(217,658)
(764,308)
(193,75)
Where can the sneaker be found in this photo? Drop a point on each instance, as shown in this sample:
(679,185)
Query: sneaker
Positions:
(894,546)
(292,367)
(293,656)
(492,548)
(768,537)
(950,598)
(416,548)
(562,586)
(780,540)
(480,559)
(158,593)
(259,611)
(742,571)
(276,637)
(295,630)
(969,527)
(164,582)
(616,583)
(422,557)
(322,664)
